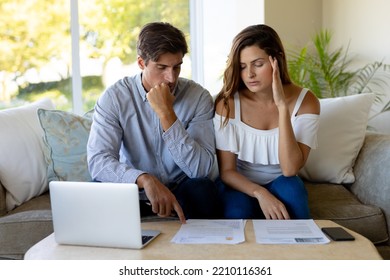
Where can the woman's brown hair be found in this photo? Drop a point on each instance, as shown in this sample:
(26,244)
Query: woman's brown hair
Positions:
(266,39)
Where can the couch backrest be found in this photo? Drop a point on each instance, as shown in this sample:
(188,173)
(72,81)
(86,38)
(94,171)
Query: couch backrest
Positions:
(372,184)
(3,209)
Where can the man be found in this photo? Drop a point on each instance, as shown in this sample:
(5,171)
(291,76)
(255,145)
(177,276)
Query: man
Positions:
(155,129)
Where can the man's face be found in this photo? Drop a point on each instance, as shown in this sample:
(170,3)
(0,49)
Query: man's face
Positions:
(165,70)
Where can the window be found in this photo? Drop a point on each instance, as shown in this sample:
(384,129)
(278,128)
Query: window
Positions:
(35,51)
(36,46)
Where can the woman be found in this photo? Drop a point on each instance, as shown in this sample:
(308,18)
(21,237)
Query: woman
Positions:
(265,127)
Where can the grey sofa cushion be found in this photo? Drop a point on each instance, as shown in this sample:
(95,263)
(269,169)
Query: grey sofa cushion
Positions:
(22,230)
(337,203)
(24,226)
(372,185)
(41,202)
(3,209)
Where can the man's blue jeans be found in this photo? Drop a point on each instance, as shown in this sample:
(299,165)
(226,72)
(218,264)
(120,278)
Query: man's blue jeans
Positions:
(289,190)
(198,198)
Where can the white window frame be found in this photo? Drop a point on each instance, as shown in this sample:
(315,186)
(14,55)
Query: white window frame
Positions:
(76,74)
(197,49)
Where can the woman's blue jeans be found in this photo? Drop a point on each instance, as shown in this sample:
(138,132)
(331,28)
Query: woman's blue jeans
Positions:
(289,190)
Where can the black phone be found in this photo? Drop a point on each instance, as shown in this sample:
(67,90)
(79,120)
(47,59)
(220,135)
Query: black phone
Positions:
(337,234)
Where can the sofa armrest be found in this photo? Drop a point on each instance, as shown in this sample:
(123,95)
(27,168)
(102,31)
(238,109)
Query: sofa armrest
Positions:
(3,207)
(372,184)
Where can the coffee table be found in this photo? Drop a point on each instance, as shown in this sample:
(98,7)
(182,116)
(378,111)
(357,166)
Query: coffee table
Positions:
(162,248)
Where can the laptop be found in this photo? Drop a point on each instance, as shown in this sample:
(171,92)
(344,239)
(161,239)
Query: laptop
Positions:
(98,214)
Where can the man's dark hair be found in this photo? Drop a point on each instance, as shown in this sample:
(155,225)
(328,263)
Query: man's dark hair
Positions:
(157,38)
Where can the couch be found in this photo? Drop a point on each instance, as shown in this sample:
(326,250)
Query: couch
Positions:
(44,144)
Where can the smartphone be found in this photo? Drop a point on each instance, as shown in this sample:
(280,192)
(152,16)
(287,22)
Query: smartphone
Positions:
(337,234)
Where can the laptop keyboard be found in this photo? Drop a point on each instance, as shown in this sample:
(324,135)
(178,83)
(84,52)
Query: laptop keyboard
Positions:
(146,238)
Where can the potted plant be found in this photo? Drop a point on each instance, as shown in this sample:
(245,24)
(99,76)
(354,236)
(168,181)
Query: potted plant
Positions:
(328,73)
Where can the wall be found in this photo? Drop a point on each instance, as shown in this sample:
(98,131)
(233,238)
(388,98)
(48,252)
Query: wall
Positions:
(364,24)
(295,21)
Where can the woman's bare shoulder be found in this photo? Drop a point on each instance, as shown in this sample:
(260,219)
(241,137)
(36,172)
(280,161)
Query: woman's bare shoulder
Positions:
(310,104)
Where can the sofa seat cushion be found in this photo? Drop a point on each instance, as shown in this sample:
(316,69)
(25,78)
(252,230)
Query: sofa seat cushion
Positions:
(41,202)
(335,202)
(20,231)
(28,224)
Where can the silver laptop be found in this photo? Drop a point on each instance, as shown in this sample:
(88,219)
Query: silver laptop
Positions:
(98,214)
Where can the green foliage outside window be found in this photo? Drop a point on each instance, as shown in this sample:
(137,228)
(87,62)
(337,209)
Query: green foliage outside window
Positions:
(36,33)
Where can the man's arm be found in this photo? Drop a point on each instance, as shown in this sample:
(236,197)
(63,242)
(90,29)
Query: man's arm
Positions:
(104,143)
(103,149)
(192,145)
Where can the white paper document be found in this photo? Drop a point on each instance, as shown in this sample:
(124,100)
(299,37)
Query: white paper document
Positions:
(288,232)
(211,232)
